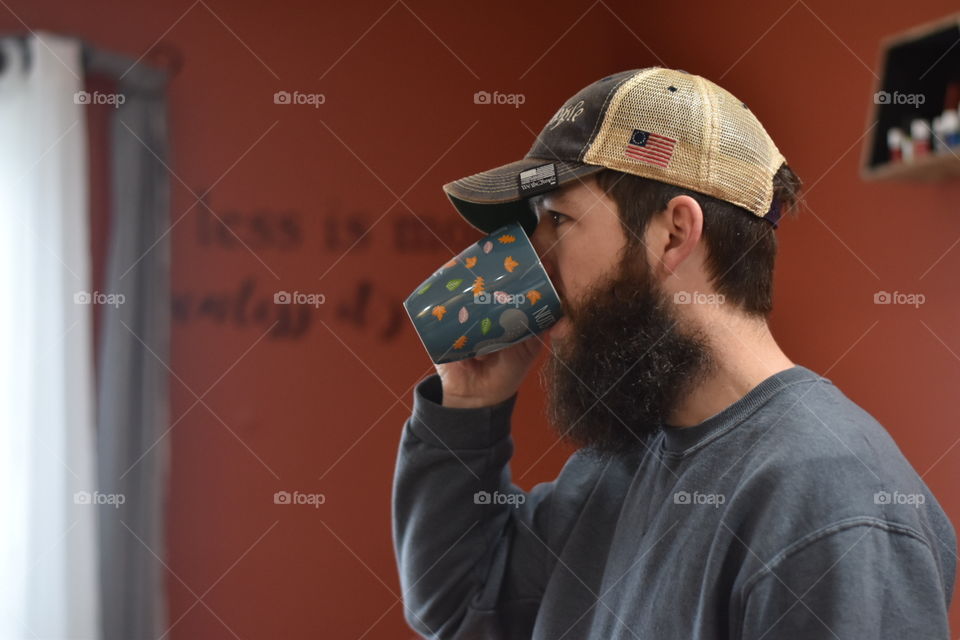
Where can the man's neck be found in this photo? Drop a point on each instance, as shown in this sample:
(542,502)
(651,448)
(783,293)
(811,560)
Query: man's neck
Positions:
(744,356)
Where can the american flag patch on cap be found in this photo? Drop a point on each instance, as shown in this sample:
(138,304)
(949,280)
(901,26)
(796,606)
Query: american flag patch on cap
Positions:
(649,147)
(537,179)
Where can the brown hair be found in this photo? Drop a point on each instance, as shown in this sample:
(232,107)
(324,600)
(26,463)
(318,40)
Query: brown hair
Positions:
(741,247)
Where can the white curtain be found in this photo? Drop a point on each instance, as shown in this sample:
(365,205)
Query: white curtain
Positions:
(49,586)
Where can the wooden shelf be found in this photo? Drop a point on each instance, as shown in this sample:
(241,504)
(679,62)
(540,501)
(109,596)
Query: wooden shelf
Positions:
(922,61)
(927,168)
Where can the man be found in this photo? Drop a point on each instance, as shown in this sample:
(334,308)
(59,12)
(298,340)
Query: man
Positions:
(719,490)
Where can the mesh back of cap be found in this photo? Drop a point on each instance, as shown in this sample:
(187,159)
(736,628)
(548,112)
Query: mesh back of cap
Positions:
(719,149)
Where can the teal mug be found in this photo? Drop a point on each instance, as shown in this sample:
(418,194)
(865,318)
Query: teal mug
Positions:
(494,294)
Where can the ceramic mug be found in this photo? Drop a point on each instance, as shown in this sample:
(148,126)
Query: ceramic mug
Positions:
(494,294)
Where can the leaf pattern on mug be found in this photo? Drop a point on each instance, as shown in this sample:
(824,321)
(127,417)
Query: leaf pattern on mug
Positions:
(478,286)
(510,264)
(485,325)
(506,239)
(533,296)
(439,311)
(453,284)
(487,246)
(470,262)
(463,315)
(460,342)
(449,264)
(423,289)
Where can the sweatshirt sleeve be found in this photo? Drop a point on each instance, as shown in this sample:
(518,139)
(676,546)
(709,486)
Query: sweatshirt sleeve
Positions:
(867,579)
(471,547)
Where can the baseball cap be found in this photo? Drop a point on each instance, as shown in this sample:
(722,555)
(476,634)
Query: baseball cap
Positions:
(664,124)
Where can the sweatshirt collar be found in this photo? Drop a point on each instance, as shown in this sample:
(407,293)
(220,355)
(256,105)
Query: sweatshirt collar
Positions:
(684,440)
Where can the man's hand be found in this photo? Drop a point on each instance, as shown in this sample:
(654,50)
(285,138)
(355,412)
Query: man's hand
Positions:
(489,379)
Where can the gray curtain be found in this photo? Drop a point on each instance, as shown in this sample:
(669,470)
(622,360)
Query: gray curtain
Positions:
(132,393)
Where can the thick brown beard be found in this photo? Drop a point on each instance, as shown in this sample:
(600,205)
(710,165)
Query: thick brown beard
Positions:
(623,364)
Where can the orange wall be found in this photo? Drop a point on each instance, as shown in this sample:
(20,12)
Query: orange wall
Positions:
(317,404)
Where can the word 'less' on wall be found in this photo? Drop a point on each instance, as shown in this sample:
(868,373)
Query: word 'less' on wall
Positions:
(340,229)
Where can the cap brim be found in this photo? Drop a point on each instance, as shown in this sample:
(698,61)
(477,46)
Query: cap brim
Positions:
(490,199)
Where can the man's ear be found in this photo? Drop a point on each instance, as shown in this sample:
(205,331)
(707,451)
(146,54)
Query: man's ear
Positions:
(676,233)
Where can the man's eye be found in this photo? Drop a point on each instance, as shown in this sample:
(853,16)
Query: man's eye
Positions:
(557,217)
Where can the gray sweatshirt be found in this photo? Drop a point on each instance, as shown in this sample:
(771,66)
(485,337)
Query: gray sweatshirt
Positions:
(790,514)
